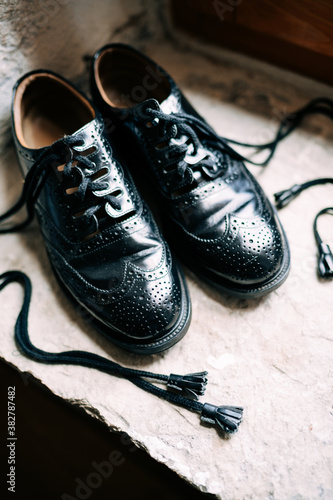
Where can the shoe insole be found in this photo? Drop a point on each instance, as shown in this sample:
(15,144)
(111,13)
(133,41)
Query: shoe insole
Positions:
(126,79)
(39,131)
(125,89)
(47,109)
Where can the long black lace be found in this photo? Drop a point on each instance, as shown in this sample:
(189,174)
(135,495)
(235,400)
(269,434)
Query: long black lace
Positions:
(322,106)
(190,386)
(172,124)
(325,256)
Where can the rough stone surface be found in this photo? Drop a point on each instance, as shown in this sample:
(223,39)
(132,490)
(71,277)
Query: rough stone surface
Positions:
(59,34)
(273,356)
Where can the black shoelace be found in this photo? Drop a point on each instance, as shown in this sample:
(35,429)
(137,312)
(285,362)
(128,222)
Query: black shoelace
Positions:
(181,390)
(190,386)
(325,256)
(173,125)
(78,172)
(322,106)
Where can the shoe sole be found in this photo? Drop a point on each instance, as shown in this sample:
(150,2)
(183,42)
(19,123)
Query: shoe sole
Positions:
(161,344)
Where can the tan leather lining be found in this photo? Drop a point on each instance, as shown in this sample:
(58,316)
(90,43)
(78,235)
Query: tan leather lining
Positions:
(124,79)
(46,108)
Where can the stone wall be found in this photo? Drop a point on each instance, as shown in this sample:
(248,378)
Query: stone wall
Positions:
(58,34)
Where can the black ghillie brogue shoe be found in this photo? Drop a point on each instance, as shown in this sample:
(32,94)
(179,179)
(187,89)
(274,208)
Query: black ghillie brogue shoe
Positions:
(215,214)
(101,238)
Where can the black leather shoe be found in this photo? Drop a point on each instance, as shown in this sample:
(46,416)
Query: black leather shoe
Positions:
(102,241)
(215,213)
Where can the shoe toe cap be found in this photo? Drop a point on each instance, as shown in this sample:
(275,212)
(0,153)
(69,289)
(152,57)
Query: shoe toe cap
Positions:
(144,306)
(248,253)
(149,308)
(253,250)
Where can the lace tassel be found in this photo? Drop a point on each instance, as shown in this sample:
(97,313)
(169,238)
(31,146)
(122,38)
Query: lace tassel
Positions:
(325,261)
(283,198)
(227,418)
(192,385)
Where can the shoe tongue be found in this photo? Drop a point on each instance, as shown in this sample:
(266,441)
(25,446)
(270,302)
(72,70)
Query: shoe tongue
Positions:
(171,104)
(89,132)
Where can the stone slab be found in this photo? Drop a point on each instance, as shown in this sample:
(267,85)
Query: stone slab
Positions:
(273,356)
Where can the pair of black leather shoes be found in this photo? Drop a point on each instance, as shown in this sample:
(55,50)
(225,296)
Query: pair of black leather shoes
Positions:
(101,238)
